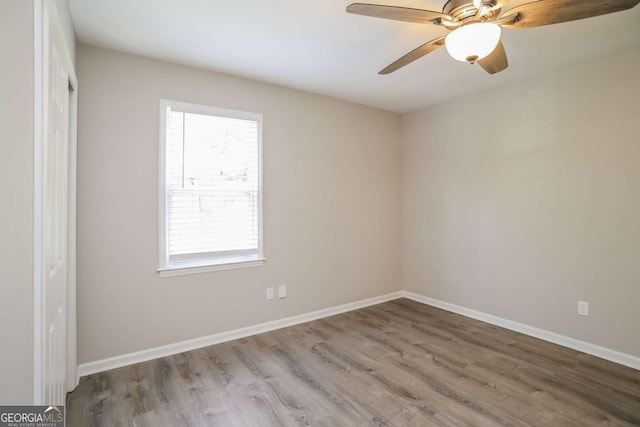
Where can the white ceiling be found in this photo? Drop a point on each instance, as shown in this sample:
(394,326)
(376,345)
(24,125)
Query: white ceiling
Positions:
(317,47)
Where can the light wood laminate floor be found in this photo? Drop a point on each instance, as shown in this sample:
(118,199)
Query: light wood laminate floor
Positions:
(400,363)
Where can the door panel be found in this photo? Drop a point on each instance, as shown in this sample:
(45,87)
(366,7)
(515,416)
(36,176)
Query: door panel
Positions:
(55,221)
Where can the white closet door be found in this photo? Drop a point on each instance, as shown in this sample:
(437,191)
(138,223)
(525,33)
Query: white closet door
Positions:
(55,219)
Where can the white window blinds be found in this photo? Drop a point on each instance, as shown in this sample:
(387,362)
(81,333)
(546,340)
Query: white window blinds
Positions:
(212,186)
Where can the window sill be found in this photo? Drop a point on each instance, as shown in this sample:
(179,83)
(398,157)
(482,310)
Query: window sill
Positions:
(195,269)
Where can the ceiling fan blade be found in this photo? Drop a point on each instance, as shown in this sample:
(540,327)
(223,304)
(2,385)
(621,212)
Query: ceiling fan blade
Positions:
(416,53)
(496,61)
(407,14)
(539,13)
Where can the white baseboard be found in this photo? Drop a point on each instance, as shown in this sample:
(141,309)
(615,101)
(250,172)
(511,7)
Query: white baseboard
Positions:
(563,340)
(192,344)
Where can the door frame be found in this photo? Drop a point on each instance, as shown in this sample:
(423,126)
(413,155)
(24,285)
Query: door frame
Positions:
(44,12)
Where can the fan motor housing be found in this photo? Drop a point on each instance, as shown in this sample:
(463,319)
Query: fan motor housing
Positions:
(461,10)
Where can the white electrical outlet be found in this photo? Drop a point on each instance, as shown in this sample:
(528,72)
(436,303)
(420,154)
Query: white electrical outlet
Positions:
(282,291)
(583,308)
(269,293)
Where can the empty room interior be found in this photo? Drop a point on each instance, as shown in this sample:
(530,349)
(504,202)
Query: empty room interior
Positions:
(283,213)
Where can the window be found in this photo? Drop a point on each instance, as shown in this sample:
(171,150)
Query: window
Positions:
(210,188)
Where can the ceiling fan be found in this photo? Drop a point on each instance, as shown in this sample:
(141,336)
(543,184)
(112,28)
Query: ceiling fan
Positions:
(475,25)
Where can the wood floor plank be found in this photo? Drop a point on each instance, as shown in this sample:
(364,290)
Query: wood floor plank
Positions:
(400,363)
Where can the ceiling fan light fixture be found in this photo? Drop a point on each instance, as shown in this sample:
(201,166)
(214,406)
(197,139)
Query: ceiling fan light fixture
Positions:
(473,41)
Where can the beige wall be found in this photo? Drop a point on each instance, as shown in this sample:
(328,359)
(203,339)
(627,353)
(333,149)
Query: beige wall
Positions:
(331,200)
(522,200)
(16,213)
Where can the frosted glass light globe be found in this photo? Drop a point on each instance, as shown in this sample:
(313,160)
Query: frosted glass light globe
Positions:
(473,41)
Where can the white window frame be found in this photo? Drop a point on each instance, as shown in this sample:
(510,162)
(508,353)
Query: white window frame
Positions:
(201,266)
